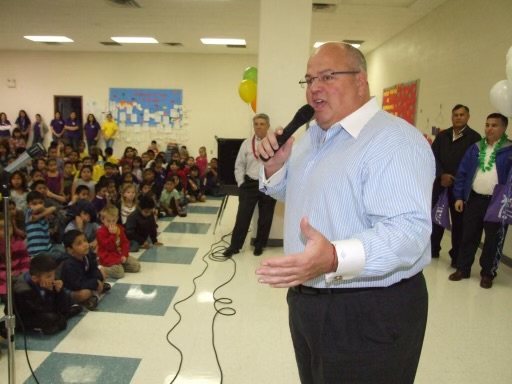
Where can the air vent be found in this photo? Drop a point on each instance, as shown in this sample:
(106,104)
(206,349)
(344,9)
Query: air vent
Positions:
(324,7)
(110,43)
(174,44)
(124,3)
(236,46)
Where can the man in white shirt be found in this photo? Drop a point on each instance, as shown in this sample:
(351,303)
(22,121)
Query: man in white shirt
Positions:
(246,174)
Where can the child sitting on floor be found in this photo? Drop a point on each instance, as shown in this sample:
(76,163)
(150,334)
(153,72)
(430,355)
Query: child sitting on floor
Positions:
(113,246)
(80,272)
(42,304)
(141,225)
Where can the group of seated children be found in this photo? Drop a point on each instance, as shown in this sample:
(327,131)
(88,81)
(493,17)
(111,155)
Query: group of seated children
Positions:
(75,228)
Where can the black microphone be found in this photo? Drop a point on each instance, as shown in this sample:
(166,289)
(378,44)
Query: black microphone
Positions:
(303,115)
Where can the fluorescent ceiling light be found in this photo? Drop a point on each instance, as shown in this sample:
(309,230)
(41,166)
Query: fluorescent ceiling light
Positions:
(319,43)
(49,39)
(223,41)
(135,40)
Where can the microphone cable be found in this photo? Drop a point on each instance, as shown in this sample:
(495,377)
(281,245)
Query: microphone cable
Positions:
(24,341)
(213,254)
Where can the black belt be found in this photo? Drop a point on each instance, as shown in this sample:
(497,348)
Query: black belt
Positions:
(247,178)
(481,196)
(305,290)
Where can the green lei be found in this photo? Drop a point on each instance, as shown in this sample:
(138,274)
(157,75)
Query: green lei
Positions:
(492,159)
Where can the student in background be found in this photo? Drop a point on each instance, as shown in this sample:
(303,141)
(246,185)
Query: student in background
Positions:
(5,127)
(17,140)
(109,156)
(153,146)
(40,130)
(109,129)
(19,189)
(141,226)
(20,259)
(57,127)
(72,130)
(92,131)
(24,124)
(128,203)
(85,178)
(195,188)
(169,200)
(202,161)
(100,200)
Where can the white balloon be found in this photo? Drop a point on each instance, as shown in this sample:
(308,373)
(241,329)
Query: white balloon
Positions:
(508,69)
(509,55)
(501,97)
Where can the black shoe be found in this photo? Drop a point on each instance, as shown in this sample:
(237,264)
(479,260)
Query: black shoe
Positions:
(91,303)
(459,274)
(257,251)
(486,282)
(230,252)
(74,310)
(106,287)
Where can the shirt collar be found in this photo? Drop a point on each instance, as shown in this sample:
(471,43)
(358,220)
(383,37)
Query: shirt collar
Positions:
(355,122)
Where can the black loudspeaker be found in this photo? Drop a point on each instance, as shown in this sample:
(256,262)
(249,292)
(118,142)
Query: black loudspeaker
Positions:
(227,150)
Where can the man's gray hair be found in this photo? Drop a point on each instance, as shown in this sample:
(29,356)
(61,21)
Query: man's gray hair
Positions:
(263,116)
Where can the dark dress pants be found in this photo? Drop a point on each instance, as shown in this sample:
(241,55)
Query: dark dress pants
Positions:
(474,225)
(456,219)
(249,196)
(360,336)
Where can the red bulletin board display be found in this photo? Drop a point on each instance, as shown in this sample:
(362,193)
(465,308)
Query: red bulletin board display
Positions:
(400,100)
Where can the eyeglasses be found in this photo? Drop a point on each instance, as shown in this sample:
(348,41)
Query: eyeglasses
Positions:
(327,78)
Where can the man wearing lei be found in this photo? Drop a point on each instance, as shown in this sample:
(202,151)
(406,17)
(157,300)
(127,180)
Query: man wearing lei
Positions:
(484,165)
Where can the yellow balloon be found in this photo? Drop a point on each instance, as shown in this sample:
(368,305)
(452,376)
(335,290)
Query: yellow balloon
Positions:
(247,90)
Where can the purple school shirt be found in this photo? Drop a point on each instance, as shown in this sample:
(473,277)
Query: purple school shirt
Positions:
(91,130)
(57,125)
(5,133)
(72,123)
(37,130)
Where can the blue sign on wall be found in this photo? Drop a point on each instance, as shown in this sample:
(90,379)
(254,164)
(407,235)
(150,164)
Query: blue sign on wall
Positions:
(147,107)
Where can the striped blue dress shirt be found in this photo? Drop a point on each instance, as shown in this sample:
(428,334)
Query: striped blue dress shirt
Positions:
(366,185)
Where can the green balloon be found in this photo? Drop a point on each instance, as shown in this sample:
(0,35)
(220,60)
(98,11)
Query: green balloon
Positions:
(251,73)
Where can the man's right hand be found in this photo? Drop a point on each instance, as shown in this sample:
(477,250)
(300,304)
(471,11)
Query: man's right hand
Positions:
(269,148)
(459,205)
(447,180)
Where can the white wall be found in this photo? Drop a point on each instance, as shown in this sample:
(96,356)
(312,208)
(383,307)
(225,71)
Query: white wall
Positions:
(458,53)
(209,84)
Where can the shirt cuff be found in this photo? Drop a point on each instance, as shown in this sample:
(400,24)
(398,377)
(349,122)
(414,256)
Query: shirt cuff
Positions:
(273,180)
(351,259)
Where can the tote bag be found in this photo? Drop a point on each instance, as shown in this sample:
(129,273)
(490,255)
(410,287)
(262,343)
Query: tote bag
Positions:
(500,207)
(441,211)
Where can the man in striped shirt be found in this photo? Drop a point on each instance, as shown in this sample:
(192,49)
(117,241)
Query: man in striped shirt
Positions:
(357,191)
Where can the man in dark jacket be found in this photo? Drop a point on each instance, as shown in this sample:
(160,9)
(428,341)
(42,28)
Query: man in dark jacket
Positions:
(449,147)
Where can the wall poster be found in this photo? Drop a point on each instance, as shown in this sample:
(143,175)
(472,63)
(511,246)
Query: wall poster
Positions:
(401,100)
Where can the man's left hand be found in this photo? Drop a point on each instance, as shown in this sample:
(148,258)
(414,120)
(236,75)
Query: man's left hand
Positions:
(292,270)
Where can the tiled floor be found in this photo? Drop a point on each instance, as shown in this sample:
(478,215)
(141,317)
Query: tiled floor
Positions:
(127,339)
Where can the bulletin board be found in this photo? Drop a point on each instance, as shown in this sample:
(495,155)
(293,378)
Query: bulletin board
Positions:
(401,100)
(144,108)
